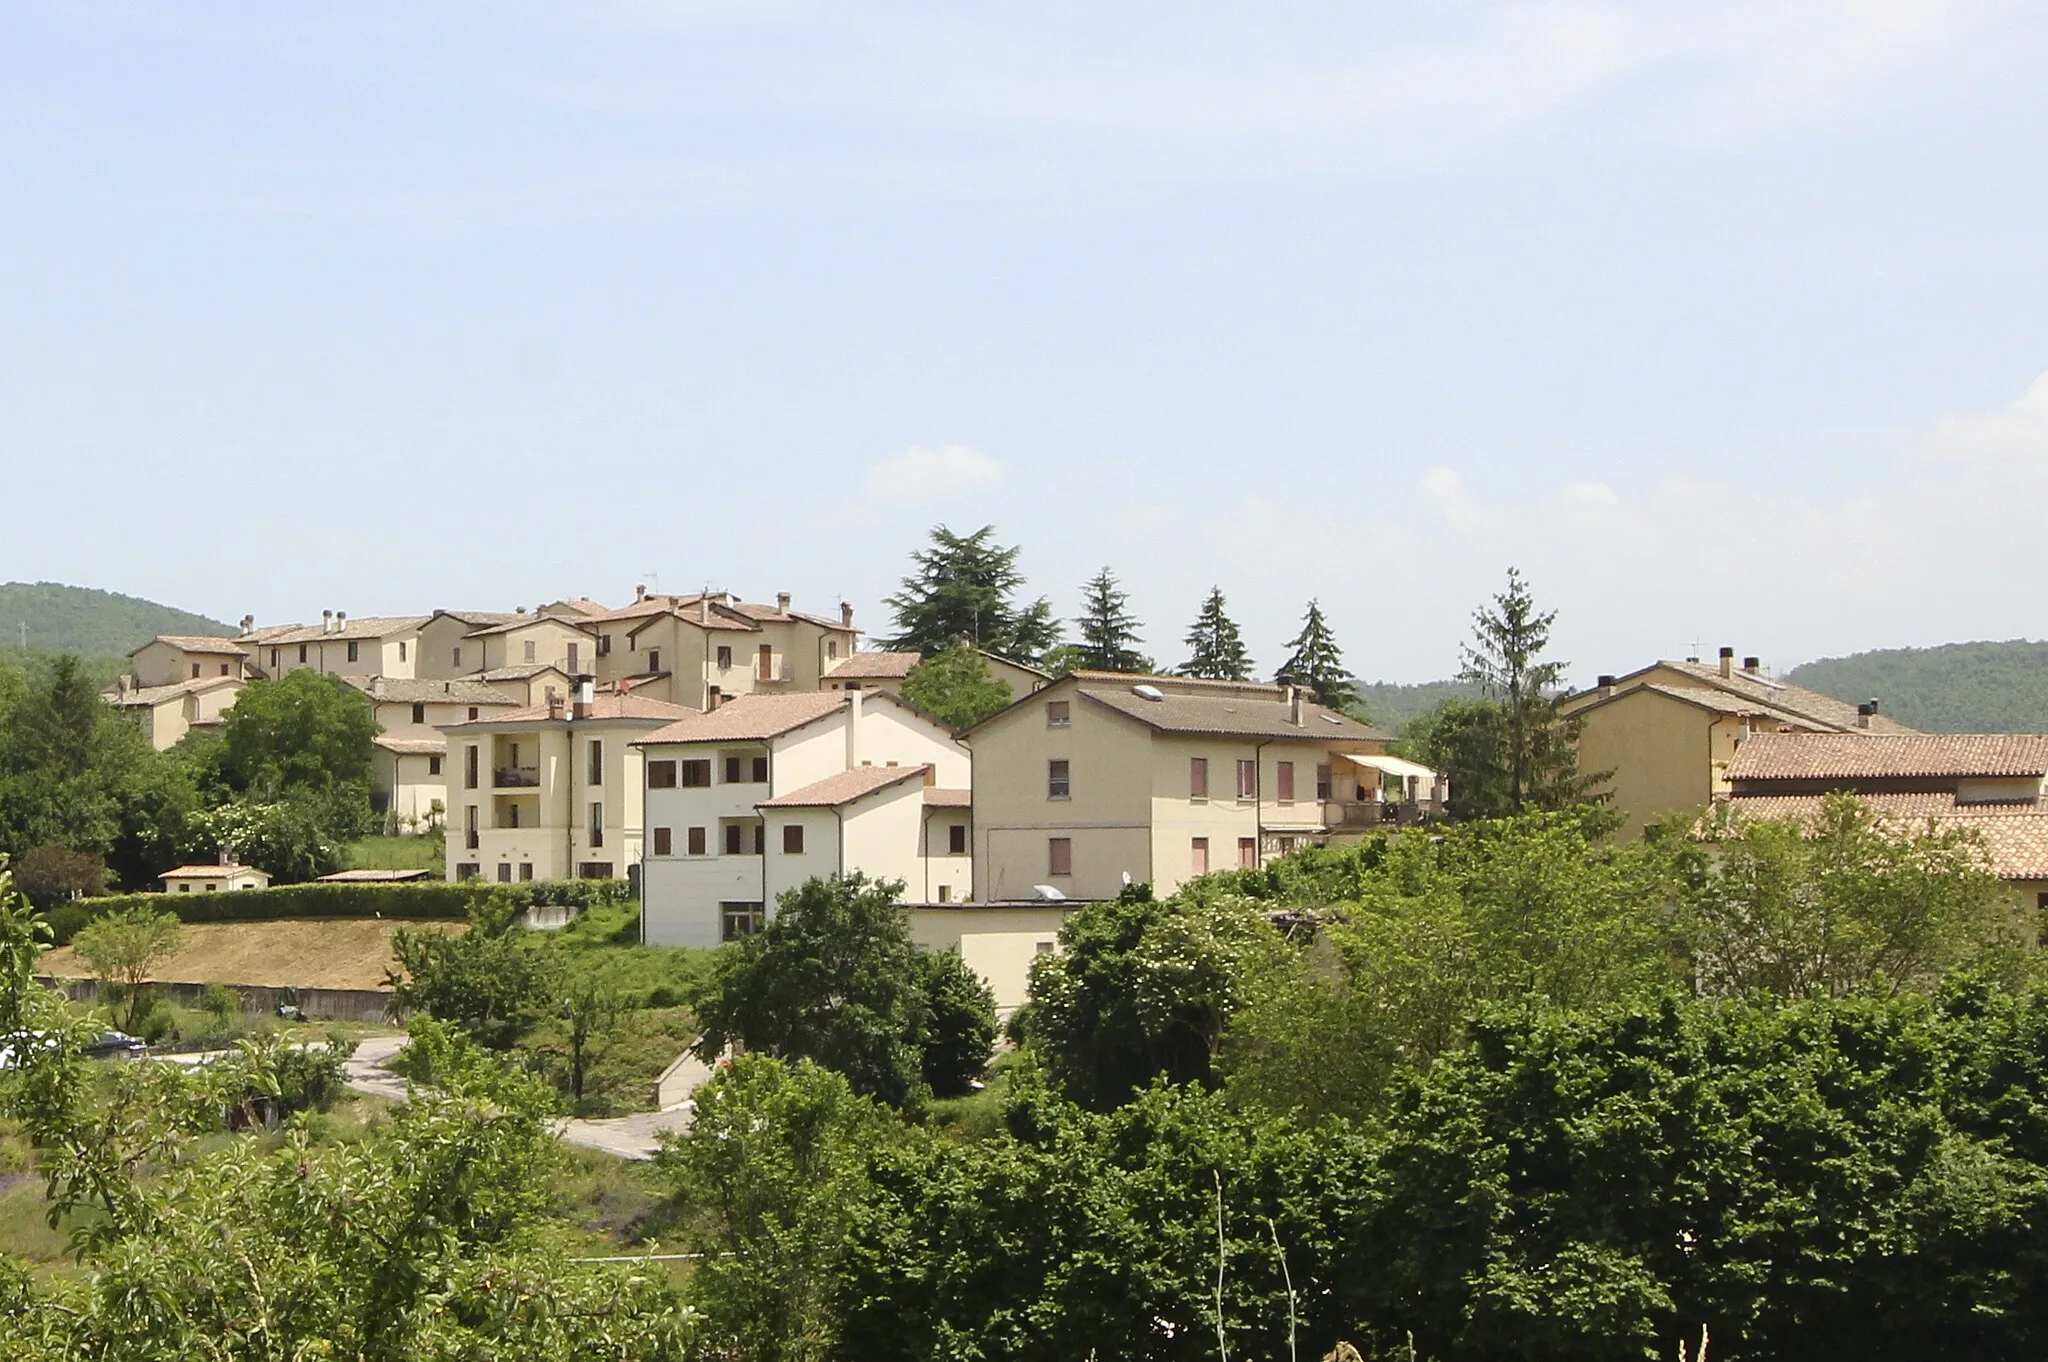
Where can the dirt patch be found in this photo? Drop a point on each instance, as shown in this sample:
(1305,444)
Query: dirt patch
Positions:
(300,953)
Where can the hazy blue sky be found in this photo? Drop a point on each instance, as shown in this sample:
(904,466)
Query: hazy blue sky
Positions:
(1726,322)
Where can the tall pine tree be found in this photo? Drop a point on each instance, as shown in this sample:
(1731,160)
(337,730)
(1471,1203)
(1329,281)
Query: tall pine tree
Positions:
(1536,751)
(1315,661)
(964,587)
(1108,629)
(1216,649)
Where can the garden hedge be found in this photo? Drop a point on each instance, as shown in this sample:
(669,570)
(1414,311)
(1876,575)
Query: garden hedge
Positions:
(414,899)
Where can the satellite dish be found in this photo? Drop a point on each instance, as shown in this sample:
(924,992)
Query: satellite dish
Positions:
(1046,891)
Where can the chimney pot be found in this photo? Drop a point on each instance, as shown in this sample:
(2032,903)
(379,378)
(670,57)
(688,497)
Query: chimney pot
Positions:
(326,621)
(1606,684)
(846,614)
(640,592)
(518,609)
(782,601)
(1727,662)
(1752,664)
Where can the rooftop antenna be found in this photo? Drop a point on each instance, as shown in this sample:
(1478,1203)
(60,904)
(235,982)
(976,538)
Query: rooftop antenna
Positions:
(654,577)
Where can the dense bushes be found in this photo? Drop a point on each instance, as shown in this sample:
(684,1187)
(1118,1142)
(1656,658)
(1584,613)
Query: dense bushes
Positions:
(406,900)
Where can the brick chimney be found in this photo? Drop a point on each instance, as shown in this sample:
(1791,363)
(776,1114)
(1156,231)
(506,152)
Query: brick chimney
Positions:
(846,614)
(1865,712)
(1294,705)
(1606,685)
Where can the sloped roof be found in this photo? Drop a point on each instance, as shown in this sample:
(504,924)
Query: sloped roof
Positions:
(411,747)
(518,622)
(140,697)
(210,872)
(1224,708)
(197,643)
(373,876)
(844,788)
(751,718)
(410,691)
(1715,701)
(1822,710)
(370,626)
(1875,756)
(2015,835)
(874,667)
(605,707)
(943,797)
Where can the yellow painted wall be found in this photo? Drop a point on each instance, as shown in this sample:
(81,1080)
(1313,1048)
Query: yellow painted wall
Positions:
(1108,814)
(1662,753)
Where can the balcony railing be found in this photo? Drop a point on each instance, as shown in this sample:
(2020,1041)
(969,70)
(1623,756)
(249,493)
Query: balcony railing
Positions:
(780,671)
(515,777)
(1350,815)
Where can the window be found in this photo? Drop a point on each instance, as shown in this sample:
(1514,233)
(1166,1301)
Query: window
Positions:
(767,669)
(760,770)
(732,770)
(184,888)
(1058,784)
(725,657)
(662,844)
(853,685)
(1059,855)
(1323,781)
(469,840)
(526,870)
(468,870)
(695,842)
(504,872)
(604,645)
(511,816)
(1283,782)
(526,651)
(1247,853)
(419,713)
(792,839)
(273,659)
(594,870)
(302,652)
(401,650)
(469,767)
(597,761)
(1198,856)
(195,671)
(945,893)
(831,649)
(1198,777)
(696,775)
(661,775)
(212,888)
(736,920)
(597,822)
(654,660)
(1247,779)
(433,766)
(956,839)
(572,660)
(472,711)
(223,669)
(734,836)
(457,654)
(1043,947)
(1058,713)
(352,646)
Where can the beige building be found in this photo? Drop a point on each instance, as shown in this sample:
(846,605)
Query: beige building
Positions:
(1101,778)
(885,672)
(167,713)
(169,659)
(551,791)
(214,879)
(998,941)
(410,749)
(702,650)
(339,646)
(1668,731)
(767,791)
(1992,784)
(470,643)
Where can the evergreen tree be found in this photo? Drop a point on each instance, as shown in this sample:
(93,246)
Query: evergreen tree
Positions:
(1108,628)
(955,685)
(964,587)
(1217,649)
(1537,761)
(1314,661)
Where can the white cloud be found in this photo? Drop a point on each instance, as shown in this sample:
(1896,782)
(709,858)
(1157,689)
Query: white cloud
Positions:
(921,476)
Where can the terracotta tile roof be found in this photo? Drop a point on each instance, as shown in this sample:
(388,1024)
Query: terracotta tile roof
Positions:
(525,671)
(834,791)
(142,697)
(1875,756)
(197,643)
(751,718)
(370,626)
(717,618)
(605,707)
(265,633)
(411,747)
(581,605)
(477,617)
(648,605)
(373,876)
(1783,695)
(1224,708)
(941,797)
(2015,834)
(1720,702)
(407,691)
(874,667)
(207,872)
(518,622)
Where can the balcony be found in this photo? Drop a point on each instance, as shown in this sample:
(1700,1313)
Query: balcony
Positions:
(516,778)
(1359,815)
(779,671)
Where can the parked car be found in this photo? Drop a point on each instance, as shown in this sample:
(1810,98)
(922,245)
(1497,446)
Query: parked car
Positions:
(114,1045)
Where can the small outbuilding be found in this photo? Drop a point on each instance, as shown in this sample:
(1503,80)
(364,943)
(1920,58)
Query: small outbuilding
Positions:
(212,879)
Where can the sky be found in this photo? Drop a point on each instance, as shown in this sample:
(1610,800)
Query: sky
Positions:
(1726,323)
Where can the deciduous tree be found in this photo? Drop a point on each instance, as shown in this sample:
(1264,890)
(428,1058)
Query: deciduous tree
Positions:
(124,948)
(956,686)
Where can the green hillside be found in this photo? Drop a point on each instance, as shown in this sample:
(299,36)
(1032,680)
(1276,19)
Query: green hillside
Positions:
(1956,688)
(52,618)
(1392,705)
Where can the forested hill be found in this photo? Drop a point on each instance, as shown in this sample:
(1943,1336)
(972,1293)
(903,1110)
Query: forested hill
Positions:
(78,619)
(1392,705)
(1956,688)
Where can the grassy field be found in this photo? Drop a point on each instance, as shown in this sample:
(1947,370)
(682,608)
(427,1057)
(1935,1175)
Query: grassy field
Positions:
(300,953)
(396,853)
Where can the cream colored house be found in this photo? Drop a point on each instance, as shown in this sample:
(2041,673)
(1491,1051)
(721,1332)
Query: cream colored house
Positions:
(1992,784)
(339,646)
(469,643)
(1102,778)
(167,713)
(169,659)
(410,749)
(885,672)
(754,798)
(705,649)
(551,791)
(998,941)
(214,879)
(1668,731)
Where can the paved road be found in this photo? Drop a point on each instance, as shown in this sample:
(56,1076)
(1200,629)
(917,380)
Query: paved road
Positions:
(629,1137)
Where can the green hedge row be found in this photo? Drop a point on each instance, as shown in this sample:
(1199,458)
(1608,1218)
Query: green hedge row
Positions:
(411,899)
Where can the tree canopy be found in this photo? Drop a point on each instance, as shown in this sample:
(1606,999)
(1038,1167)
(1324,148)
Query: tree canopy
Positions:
(1215,648)
(1315,661)
(965,586)
(956,686)
(1107,630)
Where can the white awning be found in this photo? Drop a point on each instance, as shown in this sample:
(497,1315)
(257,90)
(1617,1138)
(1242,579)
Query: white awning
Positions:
(1395,766)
